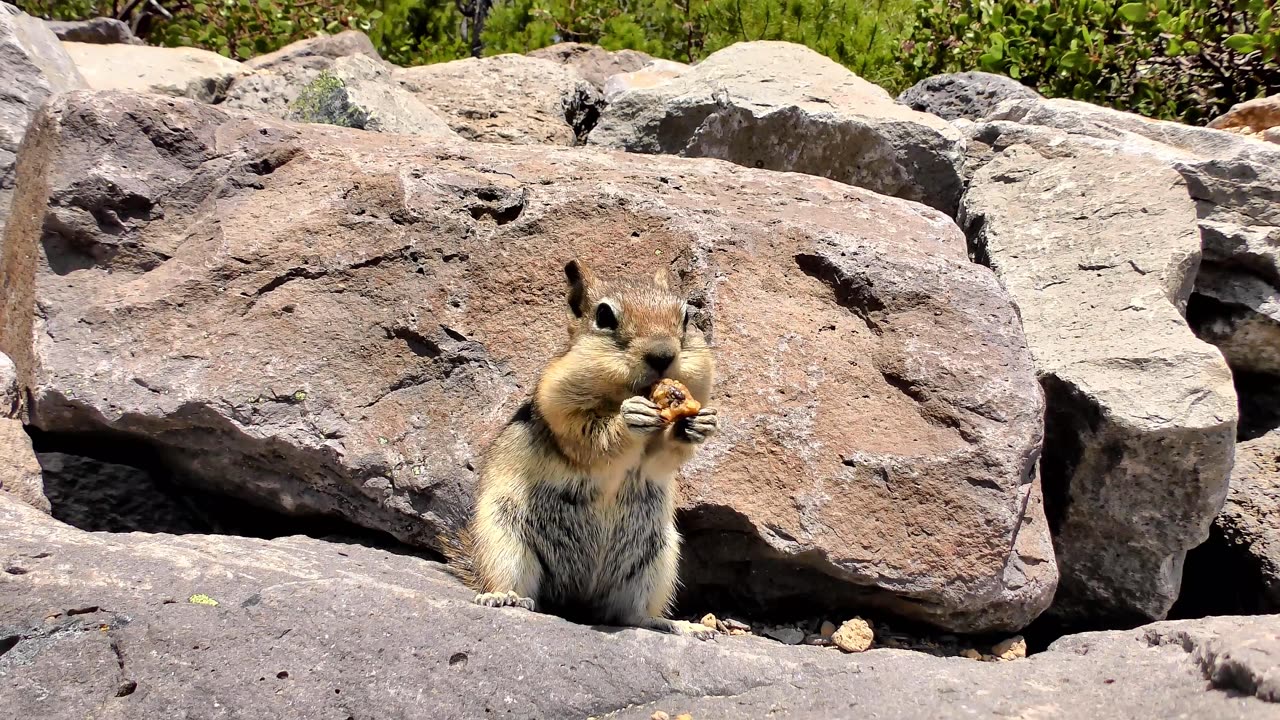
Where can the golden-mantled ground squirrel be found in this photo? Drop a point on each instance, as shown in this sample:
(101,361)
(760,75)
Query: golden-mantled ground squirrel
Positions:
(575,507)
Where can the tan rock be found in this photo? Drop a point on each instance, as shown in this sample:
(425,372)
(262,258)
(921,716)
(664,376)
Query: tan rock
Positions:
(331,47)
(854,636)
(660,715)
(595,64)
(180,72)
(1253,117)
(783,106)
(511,99)
(1010,649)
(971,654)
(710,621)
(329,321)
(20,472)
(828,629)
(651,75)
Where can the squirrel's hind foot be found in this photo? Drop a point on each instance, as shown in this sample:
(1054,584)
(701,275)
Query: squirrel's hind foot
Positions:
(504,599)
(678,627)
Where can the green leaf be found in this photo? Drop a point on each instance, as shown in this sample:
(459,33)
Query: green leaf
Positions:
(1241,43)
(1133,12)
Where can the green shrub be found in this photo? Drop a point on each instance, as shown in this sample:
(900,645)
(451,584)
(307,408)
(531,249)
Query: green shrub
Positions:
(1186,60)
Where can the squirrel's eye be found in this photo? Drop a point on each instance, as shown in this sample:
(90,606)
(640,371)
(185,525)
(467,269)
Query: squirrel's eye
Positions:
(605,318)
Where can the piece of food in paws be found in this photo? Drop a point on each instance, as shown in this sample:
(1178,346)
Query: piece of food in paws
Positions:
(674,400)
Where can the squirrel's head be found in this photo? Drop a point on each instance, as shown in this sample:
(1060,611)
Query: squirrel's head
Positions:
(626,335)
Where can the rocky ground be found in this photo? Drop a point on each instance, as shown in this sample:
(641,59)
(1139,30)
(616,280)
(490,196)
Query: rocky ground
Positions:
(992,366)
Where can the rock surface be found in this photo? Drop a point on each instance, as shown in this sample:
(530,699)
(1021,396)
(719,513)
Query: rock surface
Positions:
(34,66)
(507,99)
(181,72)
(592,62)
(782,106)
(323,47)
(1097,242)
(364,97)
(1250,519)
(968,95)
(652,75)
(99,31)
(100,625)
(335,322)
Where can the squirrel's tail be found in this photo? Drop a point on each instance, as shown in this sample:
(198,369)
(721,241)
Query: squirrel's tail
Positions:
(457,549)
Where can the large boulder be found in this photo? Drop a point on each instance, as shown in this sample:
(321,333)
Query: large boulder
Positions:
(782,106)
(138,625)
(1235,183)
(1250,519)
(968,95)
(1097,242)
(314,50)
(99,31)
(510,99)
(357,92)
(595,64)
(179,71)
(328,321)
(34,66)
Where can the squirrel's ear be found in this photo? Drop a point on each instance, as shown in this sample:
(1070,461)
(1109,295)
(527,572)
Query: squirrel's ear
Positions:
(578,277)
(662,278)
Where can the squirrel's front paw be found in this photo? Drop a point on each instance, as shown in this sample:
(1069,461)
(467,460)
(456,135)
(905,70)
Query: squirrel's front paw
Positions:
(504,599)
(641,415)
(700,427)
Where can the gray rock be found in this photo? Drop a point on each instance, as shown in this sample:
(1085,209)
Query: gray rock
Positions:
(20,476)
(782,106)
(335,322)
(969,95)
(102,625)
(595,64)
(1097,241)
(510,99)
(178,71)
(1249,519)
(98,31)
(358,92)
(34,66)
(1235,180)
(347,43)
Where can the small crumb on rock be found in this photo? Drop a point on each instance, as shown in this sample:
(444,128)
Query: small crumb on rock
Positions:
(854,636)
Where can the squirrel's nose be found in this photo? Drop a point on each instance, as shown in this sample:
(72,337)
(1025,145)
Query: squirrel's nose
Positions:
(659,360)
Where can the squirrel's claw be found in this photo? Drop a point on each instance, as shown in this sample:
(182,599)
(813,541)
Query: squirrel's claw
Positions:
(699,428)
(504,599)
(641,415)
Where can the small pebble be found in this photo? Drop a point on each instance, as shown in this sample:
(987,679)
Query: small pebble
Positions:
(971,654)
(659,716)
(817,639)
(1011,649)
(736,625)
(710,621)
(854,636)
(786,635)
(828,629)
(684,716)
